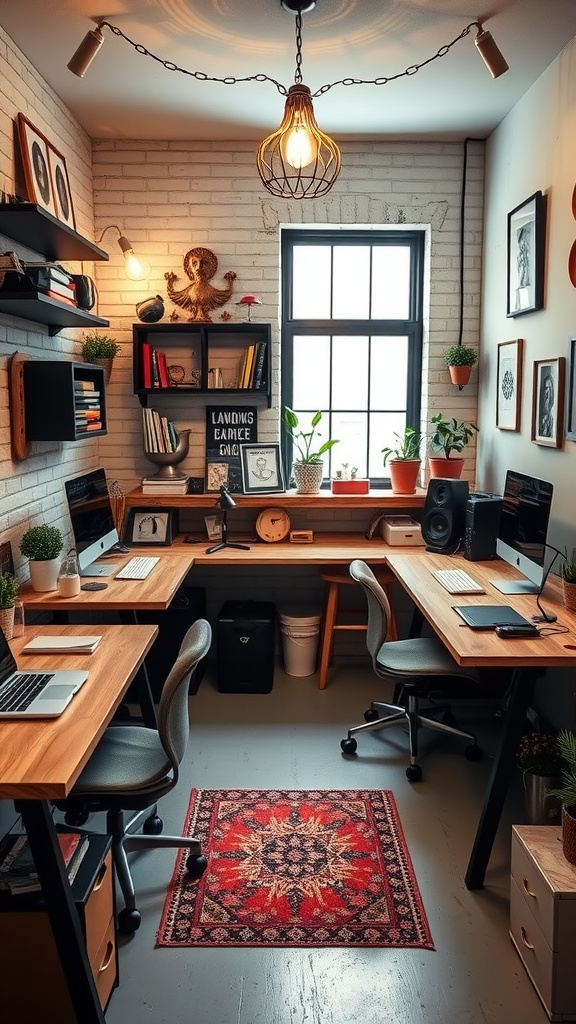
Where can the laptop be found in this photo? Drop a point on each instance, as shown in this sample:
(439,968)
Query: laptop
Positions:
(488,616)
(34,694)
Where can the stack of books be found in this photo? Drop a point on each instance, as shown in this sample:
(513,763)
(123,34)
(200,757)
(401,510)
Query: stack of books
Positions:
(53,280)
(17,869)
(159,432)
(252,369)
(157,485)
(87,413)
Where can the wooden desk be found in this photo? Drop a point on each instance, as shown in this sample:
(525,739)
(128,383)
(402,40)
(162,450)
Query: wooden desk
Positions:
(524,657)
(40,761)
(327,549)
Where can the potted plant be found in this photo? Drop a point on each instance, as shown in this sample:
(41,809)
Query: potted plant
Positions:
(100,349)
(42,545)
(569,581)
(308,467)
(460,359)
(566,792)
(448,436)
(8,592)
(541,763)
(404,461)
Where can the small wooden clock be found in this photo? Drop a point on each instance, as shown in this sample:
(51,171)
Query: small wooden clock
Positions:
(273,524)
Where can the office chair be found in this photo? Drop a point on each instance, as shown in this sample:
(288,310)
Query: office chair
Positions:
(132,767)
(416,668)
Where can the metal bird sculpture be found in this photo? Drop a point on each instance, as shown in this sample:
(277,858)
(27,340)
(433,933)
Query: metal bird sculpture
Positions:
(200,298)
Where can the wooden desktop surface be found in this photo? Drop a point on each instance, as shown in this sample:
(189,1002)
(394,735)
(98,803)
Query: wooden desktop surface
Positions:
(40,759)
(326,549)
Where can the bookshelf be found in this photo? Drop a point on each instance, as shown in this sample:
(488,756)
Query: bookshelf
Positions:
(61,399)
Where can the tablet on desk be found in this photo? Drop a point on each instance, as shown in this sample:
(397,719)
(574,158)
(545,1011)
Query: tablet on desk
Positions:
(488,616)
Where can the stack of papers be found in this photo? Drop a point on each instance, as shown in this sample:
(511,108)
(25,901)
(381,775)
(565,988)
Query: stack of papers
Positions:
(62,645)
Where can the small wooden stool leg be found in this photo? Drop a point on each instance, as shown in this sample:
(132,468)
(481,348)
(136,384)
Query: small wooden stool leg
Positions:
(327,639)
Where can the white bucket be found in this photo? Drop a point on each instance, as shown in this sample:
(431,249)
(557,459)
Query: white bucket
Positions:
(300,631)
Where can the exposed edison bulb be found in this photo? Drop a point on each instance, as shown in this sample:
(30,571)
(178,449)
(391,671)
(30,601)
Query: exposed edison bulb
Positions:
(299,147)
(135,267)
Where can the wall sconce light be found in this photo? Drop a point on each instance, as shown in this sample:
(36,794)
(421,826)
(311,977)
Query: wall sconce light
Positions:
(226,502)
(136,268)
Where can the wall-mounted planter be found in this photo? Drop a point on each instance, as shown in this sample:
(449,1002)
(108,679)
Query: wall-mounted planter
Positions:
(460,375)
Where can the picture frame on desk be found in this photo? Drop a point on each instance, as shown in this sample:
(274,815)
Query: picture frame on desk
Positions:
(151,526)
(261,469)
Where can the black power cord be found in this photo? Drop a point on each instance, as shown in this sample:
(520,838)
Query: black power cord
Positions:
(545,616)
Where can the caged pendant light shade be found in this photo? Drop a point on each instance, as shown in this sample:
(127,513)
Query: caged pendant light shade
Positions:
(298,160)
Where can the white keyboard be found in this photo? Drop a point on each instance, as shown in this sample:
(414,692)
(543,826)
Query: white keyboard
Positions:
(456,581)
(137,568)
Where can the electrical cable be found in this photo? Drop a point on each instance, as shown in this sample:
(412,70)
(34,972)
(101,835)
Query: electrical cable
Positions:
(544,616)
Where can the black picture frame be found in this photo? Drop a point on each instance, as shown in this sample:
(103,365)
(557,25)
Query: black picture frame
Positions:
(148,527)
(571,417)
(262,469)
(526,244)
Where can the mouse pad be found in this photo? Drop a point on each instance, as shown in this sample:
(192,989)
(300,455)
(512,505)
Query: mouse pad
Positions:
(487,616)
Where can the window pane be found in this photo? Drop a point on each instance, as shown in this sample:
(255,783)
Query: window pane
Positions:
(349,372)
(311,282)
(351,429)
(388,372)
(351,282)
(311,372)
(382,429)
(390,282)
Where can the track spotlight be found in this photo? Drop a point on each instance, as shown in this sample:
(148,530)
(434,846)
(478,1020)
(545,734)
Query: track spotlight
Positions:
(490,53)
(135,268)
(82,59)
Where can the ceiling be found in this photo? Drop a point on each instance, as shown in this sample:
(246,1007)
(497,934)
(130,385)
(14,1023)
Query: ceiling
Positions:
(125,94)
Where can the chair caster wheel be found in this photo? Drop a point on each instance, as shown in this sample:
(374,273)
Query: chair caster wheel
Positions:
(76,818)
(413,773)
(371,715)
(153,826)
(348,746)
(129,921)
(473,752)
(196,865)
(448,718)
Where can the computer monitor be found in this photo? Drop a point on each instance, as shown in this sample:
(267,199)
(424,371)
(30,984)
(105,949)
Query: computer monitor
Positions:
(521,538)
(92,521)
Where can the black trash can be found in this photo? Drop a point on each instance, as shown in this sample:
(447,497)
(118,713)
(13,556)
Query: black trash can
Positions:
(245,646)
(187,605)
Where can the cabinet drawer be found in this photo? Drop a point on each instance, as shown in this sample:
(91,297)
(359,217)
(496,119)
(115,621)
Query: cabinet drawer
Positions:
(99,907)
(554,915)
(105,964)
(552,973)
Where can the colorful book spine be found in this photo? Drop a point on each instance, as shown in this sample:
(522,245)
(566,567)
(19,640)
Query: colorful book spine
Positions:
(146,364)
(258,379)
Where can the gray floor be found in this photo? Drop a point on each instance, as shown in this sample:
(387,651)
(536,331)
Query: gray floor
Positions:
(290,739)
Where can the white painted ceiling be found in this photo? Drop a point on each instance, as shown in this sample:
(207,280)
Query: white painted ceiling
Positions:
(125,94)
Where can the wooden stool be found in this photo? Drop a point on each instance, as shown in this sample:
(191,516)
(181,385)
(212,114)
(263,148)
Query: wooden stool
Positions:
(336,577)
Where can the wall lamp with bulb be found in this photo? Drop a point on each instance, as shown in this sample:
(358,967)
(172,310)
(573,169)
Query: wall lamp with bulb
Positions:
(298,160)
(135,267)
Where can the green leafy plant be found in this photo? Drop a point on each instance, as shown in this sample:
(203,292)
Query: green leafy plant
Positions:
(538,753)
(408,447)
(99,346)
(8,590)
(460,355)
(449,435)
(566,746)
(569,568)
(304,440)
(42,543)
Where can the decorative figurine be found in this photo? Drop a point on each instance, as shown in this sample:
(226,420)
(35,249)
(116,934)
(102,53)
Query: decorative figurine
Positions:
(199,298)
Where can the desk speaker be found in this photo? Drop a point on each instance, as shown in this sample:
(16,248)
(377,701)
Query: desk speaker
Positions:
(444,514)
(482,520)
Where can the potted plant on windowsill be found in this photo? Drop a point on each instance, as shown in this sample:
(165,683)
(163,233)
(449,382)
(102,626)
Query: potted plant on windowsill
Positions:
(404,461)
(8,592)
(566,792)
(42,546)
(569,582)
(308,467)
(460,359)
(347,481)
(448,436)
(100,349)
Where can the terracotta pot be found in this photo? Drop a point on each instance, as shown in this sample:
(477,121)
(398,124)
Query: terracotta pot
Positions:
(308,477)
(569,833)
(569,594)
(7,622)
(404,475)
(44,575)
(451,468)
(460,375)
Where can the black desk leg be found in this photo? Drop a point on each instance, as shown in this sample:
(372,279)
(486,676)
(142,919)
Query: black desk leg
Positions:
(64,918)
(142,681)
(520,697)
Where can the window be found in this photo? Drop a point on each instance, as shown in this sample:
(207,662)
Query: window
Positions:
(352,339)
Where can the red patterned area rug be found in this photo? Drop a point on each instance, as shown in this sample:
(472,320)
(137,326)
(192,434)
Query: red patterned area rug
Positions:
(296,868)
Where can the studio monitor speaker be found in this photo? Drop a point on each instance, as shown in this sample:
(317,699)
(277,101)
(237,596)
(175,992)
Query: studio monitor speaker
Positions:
(444,514)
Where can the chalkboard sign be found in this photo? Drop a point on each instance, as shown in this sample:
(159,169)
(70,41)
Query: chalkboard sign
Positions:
(227,427)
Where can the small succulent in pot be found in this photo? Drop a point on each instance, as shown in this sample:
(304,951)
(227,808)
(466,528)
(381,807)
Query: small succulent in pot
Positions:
(42,543)
(99,346)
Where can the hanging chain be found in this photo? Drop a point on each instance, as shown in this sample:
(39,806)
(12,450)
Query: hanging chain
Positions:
(201,76)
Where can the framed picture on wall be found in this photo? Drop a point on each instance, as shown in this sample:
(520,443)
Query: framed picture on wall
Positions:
(571,418)
(509,383)
(526,234)
(548,402)
(62,196)
(34,147)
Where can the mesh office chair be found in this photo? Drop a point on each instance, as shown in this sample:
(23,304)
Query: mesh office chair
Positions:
(415,667)
(132,767)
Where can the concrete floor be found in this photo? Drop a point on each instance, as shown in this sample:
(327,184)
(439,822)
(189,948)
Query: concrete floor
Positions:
(290,739)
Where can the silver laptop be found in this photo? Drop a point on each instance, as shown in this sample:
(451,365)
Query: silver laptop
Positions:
(34,694)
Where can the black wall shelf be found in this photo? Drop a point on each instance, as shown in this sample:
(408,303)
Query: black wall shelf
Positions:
(33,226)
(41,309)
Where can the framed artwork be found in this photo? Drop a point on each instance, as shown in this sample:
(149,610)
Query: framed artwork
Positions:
(216,475)
(36,164)
(509,378)
(261,469)
(62,196)
(151,526)
(548,402)
(571,418)
(526,234)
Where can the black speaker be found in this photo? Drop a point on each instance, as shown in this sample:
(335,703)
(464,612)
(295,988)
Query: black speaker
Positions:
(443,516)
(482,520)
(245,646)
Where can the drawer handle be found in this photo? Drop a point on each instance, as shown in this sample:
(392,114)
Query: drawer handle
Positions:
(107,958)
(527,888)
(525,940)
(101,877)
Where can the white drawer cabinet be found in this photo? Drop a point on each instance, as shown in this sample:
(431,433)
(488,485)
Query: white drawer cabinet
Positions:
(543,916)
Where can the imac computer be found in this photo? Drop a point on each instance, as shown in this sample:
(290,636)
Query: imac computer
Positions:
(521,538)
(92,521)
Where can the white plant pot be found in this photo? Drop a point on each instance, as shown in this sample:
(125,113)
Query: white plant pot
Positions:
(308,476)
(44,575)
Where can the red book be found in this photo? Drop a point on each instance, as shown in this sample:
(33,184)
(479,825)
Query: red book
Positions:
(146,364)
(61,298)
(163,370)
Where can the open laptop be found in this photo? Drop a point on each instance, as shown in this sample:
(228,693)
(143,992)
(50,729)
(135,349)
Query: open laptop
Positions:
(34,694)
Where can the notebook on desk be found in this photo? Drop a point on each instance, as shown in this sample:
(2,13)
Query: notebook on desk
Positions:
(34,694)
(488,616)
